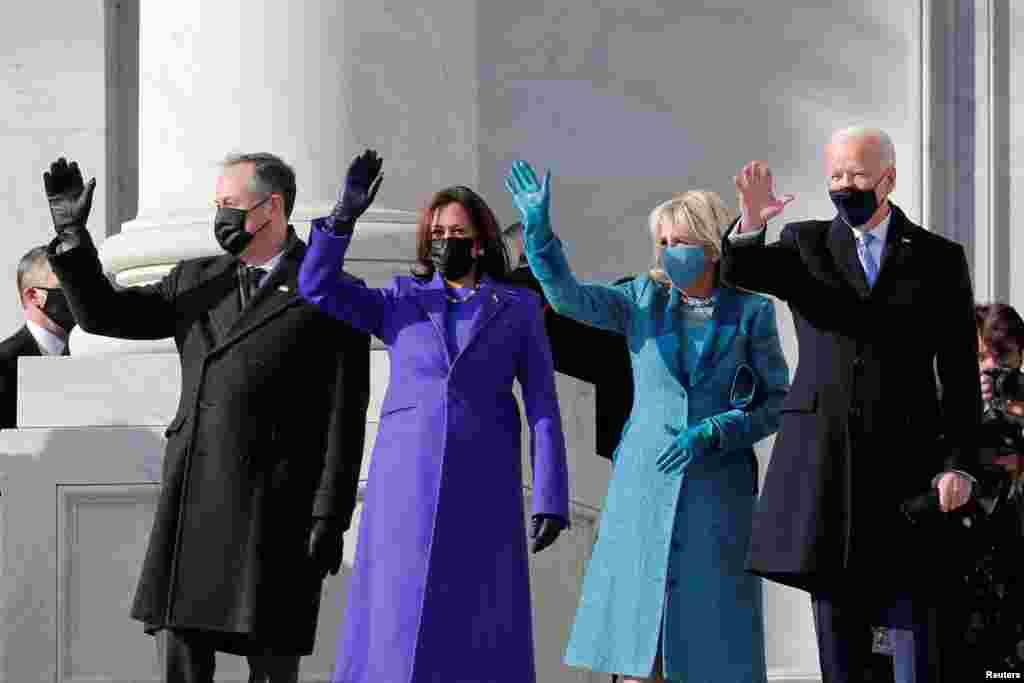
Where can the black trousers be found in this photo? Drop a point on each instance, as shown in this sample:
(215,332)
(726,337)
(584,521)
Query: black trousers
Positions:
(190,657)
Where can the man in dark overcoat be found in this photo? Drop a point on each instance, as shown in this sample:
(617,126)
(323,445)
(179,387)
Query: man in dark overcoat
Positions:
(587,353)
(883,309)
(263,456)
(48,320)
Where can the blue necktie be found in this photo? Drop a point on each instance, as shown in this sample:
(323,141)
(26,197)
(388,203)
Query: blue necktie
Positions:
(867,258)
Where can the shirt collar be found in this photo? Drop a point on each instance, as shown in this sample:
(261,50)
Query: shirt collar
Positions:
(49,343)
(270,263)
(880,231)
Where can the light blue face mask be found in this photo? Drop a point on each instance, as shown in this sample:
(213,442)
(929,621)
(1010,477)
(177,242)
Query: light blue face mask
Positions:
(683,264)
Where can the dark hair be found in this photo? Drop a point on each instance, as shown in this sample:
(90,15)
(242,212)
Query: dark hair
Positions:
(28,266)
(271,175)
(494,259)
(999,327)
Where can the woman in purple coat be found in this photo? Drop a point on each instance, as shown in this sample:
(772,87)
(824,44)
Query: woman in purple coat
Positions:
(440,589)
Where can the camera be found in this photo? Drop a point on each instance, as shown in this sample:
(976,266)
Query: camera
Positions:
(1006,386)
(1001,434)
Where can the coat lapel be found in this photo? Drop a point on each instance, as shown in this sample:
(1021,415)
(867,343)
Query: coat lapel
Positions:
(494,301)
(430,296)
(844,252)
(225,312)
(897,251)
(719,334)
(27,344)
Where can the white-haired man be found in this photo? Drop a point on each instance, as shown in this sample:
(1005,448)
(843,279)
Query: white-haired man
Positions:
(882,309)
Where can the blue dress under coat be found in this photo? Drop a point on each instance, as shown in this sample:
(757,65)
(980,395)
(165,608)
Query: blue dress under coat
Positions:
(671,549)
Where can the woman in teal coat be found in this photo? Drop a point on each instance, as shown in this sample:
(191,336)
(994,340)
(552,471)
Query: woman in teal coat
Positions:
(665,596)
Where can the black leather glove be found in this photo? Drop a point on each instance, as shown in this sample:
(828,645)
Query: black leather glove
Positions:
(325,545)
(361,185)
(70,199)
(544,529)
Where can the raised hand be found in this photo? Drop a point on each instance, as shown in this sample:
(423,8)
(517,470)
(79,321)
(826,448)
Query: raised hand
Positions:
(758,203)
(361,184)
(533,200)
(70,199)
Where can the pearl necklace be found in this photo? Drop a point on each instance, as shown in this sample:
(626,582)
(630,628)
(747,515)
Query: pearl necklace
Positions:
(697,301)
(457,300)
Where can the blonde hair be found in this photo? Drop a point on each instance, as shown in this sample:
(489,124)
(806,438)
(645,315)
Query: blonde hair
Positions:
(704,215)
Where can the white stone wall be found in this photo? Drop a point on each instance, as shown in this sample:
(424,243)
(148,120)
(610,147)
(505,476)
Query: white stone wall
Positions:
(52,99)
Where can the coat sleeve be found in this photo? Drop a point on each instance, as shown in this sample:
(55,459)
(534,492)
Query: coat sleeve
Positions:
(146,312)
(743,427)
(323,283)
(609,307)
(776,269)
(536,375)
(8,393)
(956,363)
(346,437)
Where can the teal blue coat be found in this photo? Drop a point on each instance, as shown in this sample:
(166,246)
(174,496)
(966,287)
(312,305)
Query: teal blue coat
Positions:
(671,549)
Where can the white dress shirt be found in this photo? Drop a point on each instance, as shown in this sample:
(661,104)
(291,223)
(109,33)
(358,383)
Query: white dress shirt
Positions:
(49,343)
(270,263)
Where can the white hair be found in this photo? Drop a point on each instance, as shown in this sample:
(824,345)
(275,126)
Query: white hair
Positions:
(858,133)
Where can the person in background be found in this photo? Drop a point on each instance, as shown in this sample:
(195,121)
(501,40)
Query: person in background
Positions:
(585,352)
(665,597)
(440,590)
(263,457)
(993,624)
(48,320)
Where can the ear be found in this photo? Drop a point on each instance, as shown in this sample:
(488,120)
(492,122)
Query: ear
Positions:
(277,204)
(888,183)
(33,295)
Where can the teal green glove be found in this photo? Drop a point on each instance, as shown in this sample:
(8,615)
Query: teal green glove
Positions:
(693,442)
(532,199)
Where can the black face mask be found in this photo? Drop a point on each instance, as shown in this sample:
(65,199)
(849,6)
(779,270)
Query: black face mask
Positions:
(56,308)
(856,207)
(229,228)
(453,257)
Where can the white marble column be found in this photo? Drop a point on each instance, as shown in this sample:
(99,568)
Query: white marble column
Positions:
(312,82)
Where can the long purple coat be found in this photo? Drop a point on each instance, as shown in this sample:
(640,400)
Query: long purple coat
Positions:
(440,589)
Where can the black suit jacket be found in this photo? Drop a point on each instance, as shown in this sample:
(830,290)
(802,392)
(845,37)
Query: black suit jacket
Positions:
(864,426)
(269,434)
(19,344)
(592,355)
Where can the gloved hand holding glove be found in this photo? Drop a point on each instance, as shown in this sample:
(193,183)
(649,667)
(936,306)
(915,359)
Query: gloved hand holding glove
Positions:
(691,443)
